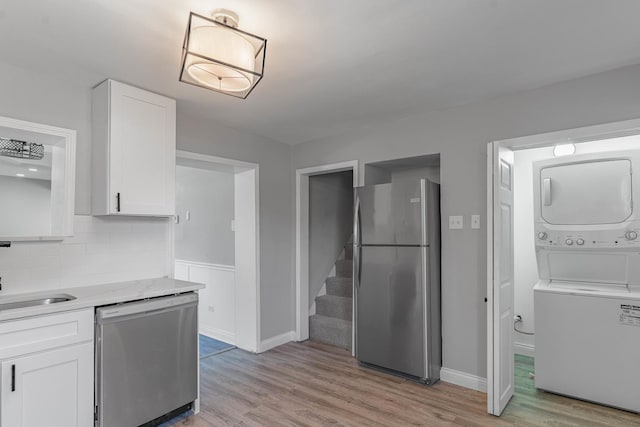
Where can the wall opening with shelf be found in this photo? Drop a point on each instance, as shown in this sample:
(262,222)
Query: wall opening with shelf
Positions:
(216,243)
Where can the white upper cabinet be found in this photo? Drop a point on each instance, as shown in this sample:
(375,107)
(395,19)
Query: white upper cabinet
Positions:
(134,151)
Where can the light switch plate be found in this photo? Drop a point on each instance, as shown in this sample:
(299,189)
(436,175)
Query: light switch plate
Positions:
(456,222)
(475,222)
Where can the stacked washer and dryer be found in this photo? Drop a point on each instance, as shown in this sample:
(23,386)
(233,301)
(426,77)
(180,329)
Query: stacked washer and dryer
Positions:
(587,303)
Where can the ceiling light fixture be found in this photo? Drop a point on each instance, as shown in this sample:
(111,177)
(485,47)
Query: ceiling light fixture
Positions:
(21,175)
(33,170)
(21,149)
(216,55)
(564,150)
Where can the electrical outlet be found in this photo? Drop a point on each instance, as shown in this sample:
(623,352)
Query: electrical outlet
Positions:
(233,225)
(211,309)
(456,222)
(475,222)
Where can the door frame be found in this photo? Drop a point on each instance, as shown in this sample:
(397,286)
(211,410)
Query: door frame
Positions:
(247,244)
(577,135)
(302,237)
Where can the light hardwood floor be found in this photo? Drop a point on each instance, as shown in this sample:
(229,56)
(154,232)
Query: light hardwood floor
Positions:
(311,384)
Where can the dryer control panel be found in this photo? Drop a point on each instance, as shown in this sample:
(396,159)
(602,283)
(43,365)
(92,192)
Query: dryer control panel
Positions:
(600,239)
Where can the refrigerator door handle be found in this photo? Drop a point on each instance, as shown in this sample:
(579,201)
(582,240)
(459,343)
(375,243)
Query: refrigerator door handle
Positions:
(359,264)
(357,252)
(423,212)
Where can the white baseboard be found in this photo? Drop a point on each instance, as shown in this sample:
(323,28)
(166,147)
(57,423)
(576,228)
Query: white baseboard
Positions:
(524,349)
(463,379)
(218,334)
(273,342)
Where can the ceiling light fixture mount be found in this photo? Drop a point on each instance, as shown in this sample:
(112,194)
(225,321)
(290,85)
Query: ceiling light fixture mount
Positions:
(216,55)
(226,17)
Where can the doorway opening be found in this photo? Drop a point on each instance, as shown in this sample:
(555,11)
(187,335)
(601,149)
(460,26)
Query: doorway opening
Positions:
(518,260)
(305,296)
(216,243)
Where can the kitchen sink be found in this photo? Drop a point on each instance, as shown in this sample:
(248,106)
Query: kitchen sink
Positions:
(35,301)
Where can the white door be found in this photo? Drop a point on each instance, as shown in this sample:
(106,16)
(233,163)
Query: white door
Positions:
(500,375)
(143,144)
(52,388)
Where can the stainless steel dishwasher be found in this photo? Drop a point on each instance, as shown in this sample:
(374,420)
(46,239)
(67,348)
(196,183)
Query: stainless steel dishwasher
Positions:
(146,360)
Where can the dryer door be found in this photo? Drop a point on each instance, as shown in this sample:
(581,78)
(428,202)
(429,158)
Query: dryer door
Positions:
(586,193)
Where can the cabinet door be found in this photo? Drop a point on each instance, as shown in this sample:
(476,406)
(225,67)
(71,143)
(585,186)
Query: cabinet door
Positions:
(142,152)
(52,388)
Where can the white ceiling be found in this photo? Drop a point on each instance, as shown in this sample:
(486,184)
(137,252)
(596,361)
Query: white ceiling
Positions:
(331,65)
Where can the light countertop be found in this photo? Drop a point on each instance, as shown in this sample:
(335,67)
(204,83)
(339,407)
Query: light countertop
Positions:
(93,296)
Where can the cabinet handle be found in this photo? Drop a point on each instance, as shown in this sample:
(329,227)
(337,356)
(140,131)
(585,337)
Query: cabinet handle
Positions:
(13,377)
(118,202)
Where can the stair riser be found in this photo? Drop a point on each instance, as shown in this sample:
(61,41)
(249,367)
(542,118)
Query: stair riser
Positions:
(341,308)
(333,336)
(344,268)
(348,252)
(340,288)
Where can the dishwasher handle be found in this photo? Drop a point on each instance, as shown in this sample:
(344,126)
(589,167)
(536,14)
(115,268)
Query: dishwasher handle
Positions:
(121,312)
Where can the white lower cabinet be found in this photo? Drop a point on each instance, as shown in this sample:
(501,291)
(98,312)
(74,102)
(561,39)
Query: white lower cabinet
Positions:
(51,387)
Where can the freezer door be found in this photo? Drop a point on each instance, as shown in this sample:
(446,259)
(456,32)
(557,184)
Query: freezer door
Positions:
(391,214)
(390,316)
(585,193)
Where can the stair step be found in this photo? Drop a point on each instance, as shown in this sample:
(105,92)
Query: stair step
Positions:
(330,330)
(334,306)
(348,252)
(344,268)
(339,286)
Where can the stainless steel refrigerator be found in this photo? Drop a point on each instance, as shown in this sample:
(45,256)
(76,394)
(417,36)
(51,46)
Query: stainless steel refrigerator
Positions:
(397,278)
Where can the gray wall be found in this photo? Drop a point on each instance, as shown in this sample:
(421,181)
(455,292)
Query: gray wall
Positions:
(461,136)
(25,205)
(330,224)
(201,135)
(39,97)
(432,173)
(208,196)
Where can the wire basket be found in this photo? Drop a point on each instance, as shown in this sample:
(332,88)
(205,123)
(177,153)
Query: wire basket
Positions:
(21,149)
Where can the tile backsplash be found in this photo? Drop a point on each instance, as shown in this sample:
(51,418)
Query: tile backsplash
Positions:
(102,250)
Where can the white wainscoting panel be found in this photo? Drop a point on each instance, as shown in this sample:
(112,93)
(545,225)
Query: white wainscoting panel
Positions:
(102,250)
(216,309)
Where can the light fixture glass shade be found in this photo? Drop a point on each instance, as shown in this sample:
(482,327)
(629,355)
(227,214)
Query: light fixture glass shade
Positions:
(564,150)
(221,57)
